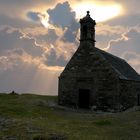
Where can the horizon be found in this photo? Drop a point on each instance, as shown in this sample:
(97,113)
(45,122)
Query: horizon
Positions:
(37,39)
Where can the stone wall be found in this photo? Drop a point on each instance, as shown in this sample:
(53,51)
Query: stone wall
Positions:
(66,93)
(95,74)
(129,91)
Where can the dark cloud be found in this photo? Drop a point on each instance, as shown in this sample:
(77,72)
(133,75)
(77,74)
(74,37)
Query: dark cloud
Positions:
(51,59)
(71,33)
(62,15)
(33,16)
(49,37)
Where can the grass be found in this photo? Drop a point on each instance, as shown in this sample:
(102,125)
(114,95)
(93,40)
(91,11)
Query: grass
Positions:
(33,116)
(103,122)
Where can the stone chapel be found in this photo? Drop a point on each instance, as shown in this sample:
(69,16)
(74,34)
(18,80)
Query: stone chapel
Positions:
(95,78)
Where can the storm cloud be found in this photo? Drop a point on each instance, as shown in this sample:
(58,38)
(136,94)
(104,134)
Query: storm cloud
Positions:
(63,16)
(33,16)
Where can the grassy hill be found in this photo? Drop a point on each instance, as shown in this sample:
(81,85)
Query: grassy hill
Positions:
(30,117)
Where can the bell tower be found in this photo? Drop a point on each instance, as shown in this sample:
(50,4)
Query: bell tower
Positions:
(87,28)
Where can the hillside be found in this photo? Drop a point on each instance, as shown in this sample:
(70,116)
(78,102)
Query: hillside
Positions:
(30,117)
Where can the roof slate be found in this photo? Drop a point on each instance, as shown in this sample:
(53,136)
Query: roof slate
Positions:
(121,66)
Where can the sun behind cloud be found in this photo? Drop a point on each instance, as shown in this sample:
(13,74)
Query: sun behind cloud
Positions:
(99,11)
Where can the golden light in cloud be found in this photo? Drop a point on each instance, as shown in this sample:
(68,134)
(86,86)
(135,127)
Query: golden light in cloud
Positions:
(44,22)
(99,11)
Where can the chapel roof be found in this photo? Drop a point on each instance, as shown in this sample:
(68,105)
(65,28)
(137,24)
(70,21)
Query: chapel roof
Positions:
(121,66)
(82,57)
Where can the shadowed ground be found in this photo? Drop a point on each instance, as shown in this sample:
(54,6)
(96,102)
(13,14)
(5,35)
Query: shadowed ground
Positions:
(28,117)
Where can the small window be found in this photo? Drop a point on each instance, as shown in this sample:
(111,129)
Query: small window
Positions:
(85,31)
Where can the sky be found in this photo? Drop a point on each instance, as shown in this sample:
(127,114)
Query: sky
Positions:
(38,37)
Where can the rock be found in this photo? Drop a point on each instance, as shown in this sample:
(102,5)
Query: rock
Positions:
(6,123)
